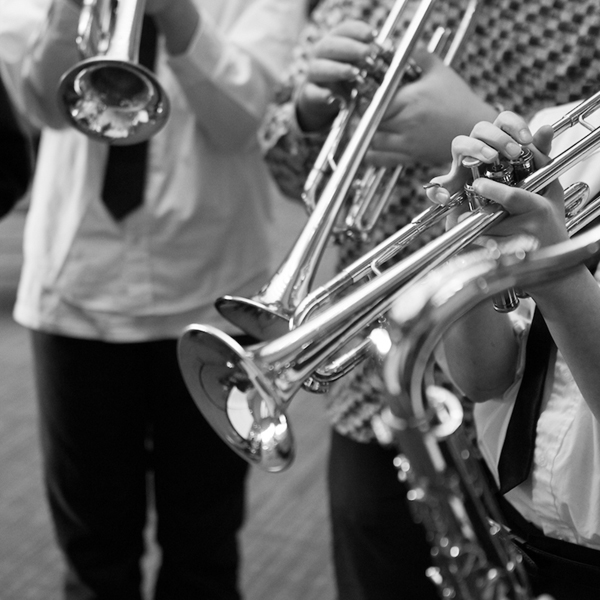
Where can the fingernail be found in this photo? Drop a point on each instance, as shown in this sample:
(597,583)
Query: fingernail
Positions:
(489,152)
(513,149)
(525,136)
(476,185)
(441,196)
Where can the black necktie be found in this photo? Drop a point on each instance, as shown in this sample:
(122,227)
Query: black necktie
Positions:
(516,458)
(125,175)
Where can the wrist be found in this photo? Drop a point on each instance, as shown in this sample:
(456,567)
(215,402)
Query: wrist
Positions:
(552,295)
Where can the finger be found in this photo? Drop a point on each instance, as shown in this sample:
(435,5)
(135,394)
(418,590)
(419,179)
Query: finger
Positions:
(464,145)
(543,138)
(514,200)
(341,48)
(316,97)
(456,215)
(495,138)
(352,28)
(316,107)
(387,159)
(515,126)
(441,188)
(387,141)
(330,72)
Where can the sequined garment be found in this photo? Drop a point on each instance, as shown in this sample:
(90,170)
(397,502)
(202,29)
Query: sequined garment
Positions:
(521,54)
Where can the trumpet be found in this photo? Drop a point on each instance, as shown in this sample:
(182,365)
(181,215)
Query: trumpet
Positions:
(372,263)
(473,557)
(231,384)
(109,96)
(580,210)
(367,202)
(267,314)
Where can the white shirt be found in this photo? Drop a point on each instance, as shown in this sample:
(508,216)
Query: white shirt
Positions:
(202,231)
(562,494)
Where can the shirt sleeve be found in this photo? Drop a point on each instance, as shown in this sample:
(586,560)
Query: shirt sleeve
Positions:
(43,46)
(289,151)
(16,26)
(230,75)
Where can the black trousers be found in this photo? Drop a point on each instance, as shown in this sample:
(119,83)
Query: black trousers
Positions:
(379,552)
(109,415)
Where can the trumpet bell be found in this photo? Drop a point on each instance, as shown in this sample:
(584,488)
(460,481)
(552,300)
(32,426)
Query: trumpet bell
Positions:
(113,101)
(226,387)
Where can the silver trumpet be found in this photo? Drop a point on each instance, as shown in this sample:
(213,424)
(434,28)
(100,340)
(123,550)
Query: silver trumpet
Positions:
(472,555)
(580,210)
(372,263)
(109,96)
(244,392)
(266,314)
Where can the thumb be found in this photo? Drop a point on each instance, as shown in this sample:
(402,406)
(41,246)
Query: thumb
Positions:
(542,139)
(440,189)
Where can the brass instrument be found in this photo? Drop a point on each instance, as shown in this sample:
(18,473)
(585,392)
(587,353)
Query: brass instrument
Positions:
(227,380)
(366,201)
(577,214)
(472,556)
(266,315)
(109,96)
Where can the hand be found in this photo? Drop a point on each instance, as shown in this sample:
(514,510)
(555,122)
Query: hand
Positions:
(335,62)
(154,7)
(426,115)
(178,20)
(529,214)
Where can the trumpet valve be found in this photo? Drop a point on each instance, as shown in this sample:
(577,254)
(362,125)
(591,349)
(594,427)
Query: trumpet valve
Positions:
(501,171)
(476,167)
(523,165)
